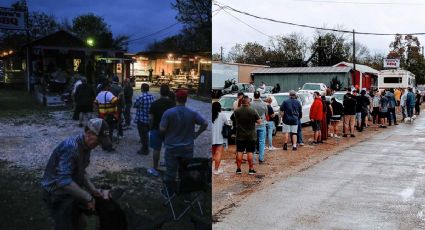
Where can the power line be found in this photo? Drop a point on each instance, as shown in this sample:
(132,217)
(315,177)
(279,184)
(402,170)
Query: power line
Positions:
(156,32)
(248,25)
(307,26)
(362,3)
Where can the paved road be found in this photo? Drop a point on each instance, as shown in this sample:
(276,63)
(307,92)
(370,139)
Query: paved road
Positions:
(376,184)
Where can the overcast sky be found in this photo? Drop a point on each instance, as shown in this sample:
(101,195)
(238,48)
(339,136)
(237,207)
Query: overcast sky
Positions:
(129,17)
(378,16)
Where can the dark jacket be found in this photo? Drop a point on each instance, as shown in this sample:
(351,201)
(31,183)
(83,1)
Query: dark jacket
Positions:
(128,95)
(350,106)
(292,111)
(337,108)
(84,95)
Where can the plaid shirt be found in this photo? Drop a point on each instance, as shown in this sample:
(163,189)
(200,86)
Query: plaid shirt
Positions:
(67,164)
(143,104)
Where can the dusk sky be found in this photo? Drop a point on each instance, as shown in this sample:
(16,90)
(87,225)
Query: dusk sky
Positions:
(129,17)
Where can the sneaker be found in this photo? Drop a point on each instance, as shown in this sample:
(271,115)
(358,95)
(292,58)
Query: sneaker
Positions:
(285,146)
(384,126)
(252,172)
(315,143)
(294,148)
(266,148)
(218,171)
(238,171)
(345,135)
(153,172)
(260,162)
(301,144)
(336,136)
(352,135)
(272,148)
(331,135)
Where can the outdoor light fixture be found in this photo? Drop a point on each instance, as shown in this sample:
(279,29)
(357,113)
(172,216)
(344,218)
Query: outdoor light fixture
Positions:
(90,41)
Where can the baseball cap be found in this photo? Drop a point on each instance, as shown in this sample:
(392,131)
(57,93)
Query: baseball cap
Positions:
(181,95)
(101,129)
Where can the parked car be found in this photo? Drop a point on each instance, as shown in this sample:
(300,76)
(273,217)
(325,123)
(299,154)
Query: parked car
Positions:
(306,100)
(312,87)
(267,90)
(238,87)
(227,101)
(339,96)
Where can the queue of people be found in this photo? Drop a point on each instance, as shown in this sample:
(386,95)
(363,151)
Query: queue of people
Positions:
(254,125)
(67,189)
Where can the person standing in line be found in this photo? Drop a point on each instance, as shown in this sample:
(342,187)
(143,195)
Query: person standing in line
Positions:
(143,104)
(270,124)
(237,103)
(118,92)
(349,118)
(403,104)
(383,109)
(258,105)
(337,111)
(84,97)
(246,118)
(364,102)
(410,103)
(316,116)
(128,102)
(106,106)
(218,120)
(375,107)
(327,113)
(391,107)
(178,128)
(291,112)
(418,103)
(397,95)
(156,111)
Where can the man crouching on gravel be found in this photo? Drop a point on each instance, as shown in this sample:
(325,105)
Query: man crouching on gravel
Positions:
(68,190)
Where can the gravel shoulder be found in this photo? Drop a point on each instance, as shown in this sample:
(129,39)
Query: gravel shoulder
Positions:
(29,141)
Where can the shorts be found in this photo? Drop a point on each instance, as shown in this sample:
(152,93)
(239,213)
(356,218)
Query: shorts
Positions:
(155,140)
(358,116)
(336,118)
(316,125)
(383,114)
(243,145)
(215,147)
(289,128)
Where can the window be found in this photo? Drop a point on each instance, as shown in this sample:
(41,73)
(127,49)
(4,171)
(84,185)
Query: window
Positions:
(392,79)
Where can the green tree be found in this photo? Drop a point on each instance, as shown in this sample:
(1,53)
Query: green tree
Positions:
(287,50)
(254,53)
(329,49)
(196,17)
(94,27)
(407,49)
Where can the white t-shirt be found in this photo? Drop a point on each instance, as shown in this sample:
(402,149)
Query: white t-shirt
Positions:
(217,127)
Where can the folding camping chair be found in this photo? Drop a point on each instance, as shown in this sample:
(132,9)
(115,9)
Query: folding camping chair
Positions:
(193,182)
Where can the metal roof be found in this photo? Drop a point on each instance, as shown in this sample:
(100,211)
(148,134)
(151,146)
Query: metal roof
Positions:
(361,68)
(288,70)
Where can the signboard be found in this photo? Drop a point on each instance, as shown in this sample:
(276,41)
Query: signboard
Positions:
(391,63)
(11,19)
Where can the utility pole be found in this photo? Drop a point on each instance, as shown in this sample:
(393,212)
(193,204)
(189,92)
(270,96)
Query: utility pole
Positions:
(354,59)
(221,53)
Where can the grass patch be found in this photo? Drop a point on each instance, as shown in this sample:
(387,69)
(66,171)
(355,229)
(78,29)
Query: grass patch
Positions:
(17,104)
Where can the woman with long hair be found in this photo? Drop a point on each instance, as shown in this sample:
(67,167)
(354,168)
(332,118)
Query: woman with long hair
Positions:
(218,120)
(337,110)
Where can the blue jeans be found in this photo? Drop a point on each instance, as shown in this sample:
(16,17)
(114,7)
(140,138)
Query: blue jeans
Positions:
(172,157)
(299,133)
(270,129)
(409,111)
(261,140)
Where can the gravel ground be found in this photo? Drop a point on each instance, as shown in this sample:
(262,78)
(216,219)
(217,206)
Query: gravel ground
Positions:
(29,144)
